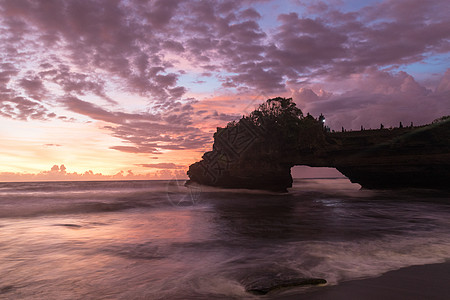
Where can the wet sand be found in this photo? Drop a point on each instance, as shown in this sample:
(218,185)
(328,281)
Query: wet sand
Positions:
(411,283)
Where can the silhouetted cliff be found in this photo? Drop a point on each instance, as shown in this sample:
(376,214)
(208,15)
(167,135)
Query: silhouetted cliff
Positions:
(258,151)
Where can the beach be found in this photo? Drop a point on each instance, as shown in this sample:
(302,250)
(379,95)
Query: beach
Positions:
(411,283)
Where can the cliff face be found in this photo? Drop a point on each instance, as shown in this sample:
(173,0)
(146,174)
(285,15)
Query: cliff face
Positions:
(248,156)
(412,157)
(241,158)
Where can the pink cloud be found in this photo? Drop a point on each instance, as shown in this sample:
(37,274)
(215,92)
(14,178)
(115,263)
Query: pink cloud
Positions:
(379,97)
(444,84)
(146,133)
(162,166)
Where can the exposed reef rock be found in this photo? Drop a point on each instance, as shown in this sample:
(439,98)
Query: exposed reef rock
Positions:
(258,151)
(264,285)
(269,278)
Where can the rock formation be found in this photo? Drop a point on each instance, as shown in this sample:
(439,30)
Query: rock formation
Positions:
(270,282)
(258,151)
(270,277)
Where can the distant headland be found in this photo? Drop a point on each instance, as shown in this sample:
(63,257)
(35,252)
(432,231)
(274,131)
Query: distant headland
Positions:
(258,151)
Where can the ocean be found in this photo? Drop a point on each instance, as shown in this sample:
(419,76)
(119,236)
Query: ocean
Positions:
(162,240)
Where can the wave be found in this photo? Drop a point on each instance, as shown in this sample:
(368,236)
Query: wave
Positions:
(56,198)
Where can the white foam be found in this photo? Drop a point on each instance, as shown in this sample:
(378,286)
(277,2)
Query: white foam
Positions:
(340,261)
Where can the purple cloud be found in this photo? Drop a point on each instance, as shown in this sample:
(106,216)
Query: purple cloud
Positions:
(14,106)
(60,53)
(33,87)
(129,38)
(381,97)
(162,166)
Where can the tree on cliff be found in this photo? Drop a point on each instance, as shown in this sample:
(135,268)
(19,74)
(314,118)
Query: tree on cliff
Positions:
(276,111)
(279,121)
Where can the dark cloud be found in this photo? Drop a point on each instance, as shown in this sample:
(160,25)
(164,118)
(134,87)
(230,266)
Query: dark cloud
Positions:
(304,45)
(7,72)
(75,82)
(26,106)
(23,109)
(33,87)
(340,44)
(97,113)
(249,13)
(112,36)
(15,106)
(152,138)
(162,166)
(381,97)
(129,39)
(173,46)
(221,116)
(160,12)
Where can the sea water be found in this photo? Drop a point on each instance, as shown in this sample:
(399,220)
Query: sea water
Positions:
(162,240)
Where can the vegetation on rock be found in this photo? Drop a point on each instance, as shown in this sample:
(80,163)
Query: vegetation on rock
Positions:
(280,124)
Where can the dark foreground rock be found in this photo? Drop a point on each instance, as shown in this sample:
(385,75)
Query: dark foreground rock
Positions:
(266,283)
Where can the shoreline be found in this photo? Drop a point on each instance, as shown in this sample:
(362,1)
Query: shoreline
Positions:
(431,281)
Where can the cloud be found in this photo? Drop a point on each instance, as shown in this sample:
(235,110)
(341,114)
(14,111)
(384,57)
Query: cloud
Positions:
(381,97)
(129,40)
(173,46)
(60,173)
(444,84)
(100,34)
(305,44)
(339,44)
(96,112)
(33,87)
(74,55)
(162,166)
(249,13)
(75,82)
(147,133)
(222,116)
(15,106)
(23,109)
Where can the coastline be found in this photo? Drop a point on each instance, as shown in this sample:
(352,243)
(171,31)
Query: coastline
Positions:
(430,281)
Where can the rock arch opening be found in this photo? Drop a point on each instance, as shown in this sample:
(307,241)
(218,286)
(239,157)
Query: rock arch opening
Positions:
(306,172)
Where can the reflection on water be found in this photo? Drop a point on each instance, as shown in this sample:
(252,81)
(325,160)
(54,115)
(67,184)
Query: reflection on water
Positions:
(127,240)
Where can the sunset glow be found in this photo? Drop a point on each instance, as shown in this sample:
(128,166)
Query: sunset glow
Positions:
(130,89)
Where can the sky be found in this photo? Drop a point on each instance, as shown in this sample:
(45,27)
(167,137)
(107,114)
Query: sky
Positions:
(134,89)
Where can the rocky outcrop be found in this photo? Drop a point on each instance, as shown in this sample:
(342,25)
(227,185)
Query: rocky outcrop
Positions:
(242,157)
(249,155)
(416,157)
(267,278)
(268,283)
